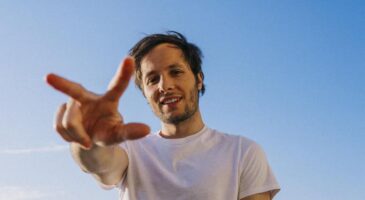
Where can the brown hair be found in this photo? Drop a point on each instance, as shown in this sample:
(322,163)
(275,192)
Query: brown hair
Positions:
(192,53)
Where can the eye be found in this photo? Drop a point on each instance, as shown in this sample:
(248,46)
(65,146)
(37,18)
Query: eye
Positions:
(176,72)
(152,80)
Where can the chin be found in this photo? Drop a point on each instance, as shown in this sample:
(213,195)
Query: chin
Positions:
(175,119)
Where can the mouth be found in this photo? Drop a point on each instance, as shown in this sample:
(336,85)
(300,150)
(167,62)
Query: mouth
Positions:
(170,100)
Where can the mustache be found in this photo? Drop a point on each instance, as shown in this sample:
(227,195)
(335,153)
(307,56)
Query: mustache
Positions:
(165,95)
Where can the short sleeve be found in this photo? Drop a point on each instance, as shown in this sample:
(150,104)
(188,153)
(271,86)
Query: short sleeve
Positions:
(256,175)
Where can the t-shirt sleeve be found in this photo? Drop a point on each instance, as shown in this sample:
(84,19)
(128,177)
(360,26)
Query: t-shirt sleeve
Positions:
(256,175)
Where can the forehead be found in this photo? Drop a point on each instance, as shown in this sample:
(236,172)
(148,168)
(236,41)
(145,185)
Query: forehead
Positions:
(162,57)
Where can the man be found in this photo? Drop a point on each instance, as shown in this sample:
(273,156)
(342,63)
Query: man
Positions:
(185,159)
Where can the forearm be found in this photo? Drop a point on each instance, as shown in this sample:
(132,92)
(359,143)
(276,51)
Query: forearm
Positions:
(107,164)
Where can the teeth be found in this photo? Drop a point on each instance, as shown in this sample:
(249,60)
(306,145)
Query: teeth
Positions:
(171,100)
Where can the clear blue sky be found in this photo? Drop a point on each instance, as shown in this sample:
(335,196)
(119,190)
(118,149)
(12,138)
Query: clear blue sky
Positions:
(288,74)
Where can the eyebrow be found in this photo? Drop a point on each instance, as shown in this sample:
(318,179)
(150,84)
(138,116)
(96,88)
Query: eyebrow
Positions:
(175,65)
(172,66)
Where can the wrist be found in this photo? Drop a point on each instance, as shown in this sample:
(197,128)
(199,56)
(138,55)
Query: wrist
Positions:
(93,160)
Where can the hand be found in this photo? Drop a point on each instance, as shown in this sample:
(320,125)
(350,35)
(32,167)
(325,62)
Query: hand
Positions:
(89,118)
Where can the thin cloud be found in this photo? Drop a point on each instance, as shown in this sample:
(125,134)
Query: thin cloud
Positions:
(23,193)
(46,149)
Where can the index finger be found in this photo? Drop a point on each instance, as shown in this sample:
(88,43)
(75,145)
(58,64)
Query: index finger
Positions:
(121,79)
(72,89)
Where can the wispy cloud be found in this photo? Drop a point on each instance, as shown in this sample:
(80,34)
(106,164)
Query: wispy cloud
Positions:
(45,149)
(25,193)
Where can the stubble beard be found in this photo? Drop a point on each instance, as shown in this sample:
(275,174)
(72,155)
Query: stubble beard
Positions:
(190,109)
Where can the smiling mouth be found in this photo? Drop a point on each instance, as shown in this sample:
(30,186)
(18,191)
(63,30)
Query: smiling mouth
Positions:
(171,100)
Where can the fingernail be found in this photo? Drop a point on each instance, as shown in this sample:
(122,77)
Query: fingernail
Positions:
(87,145)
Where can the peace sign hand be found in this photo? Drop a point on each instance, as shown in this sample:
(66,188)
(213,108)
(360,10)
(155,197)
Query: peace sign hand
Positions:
(89,118)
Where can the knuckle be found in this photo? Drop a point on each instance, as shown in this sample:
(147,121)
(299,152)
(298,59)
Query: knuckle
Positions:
(59,128)
(61,108)
(65,137)
(79,86)
(70,125)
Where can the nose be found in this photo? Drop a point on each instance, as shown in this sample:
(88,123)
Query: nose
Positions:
(166,84)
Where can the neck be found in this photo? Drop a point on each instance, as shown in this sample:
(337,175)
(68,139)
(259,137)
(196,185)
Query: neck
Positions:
(183,129)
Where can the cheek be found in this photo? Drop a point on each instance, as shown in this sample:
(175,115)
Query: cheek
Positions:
(149,95)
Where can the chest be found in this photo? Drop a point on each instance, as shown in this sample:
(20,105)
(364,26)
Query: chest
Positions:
(200,171)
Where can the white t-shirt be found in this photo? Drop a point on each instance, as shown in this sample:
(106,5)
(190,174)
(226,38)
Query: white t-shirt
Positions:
(207,165)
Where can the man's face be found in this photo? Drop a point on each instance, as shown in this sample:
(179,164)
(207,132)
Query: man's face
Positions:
(169,84)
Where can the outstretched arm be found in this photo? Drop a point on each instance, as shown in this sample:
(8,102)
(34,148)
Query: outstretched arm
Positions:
(94,127)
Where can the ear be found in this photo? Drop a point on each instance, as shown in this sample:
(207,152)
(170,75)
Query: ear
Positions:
(200,81)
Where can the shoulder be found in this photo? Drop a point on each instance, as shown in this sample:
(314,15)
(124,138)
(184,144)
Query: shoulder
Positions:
(243,142)
(150,139)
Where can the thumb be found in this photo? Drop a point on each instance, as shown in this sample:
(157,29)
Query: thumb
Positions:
(120,133)
(130,131)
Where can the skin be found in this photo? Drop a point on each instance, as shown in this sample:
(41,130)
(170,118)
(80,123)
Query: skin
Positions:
(165,74)
(94,127)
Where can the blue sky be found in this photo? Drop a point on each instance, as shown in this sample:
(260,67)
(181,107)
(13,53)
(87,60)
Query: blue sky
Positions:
(288,74)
